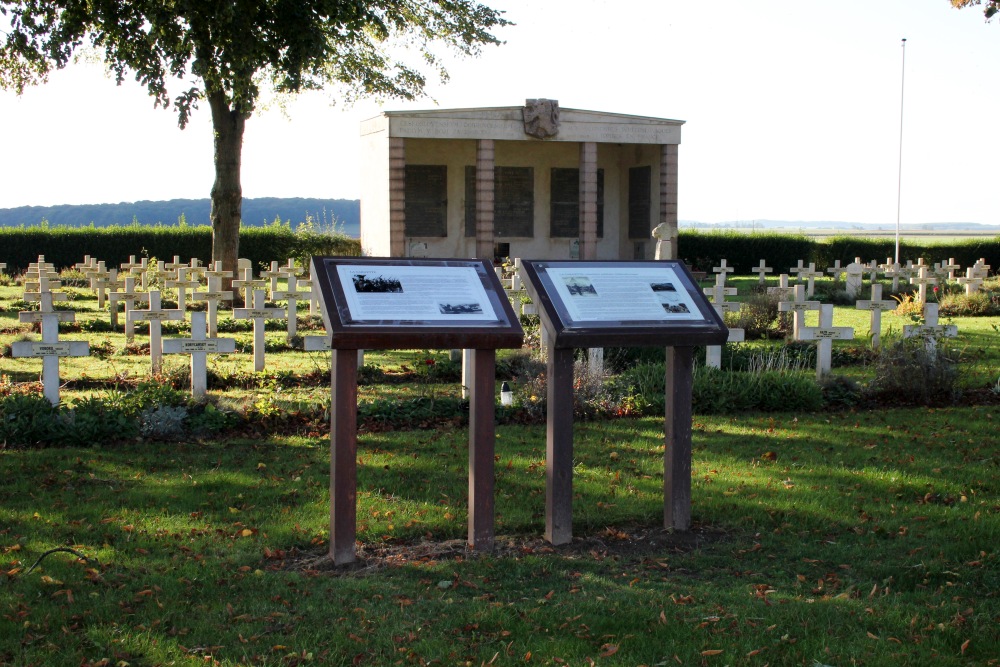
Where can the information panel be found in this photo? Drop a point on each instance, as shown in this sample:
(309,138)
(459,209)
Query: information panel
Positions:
(365,299)
(657,301)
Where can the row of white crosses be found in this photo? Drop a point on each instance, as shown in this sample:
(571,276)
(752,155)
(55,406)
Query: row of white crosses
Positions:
(203,334)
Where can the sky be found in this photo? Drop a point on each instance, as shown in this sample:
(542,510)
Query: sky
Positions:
(793,111)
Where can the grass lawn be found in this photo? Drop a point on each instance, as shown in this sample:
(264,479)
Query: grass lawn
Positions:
(819,539)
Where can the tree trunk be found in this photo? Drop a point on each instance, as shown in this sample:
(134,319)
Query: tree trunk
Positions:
(227,193)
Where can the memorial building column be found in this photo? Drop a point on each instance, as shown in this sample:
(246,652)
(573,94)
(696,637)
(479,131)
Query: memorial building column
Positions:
(668,194)
(588,200)
(397,197)
(485,163)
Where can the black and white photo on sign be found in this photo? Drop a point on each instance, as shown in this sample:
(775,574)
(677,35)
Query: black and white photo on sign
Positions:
(676,308)
(415,293)
(378,284)
(580,286)
(459,308)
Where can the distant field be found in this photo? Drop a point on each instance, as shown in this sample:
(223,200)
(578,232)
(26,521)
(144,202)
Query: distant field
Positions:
(820,234)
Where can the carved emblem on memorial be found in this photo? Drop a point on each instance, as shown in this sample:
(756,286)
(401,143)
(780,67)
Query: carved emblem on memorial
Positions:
(541,118)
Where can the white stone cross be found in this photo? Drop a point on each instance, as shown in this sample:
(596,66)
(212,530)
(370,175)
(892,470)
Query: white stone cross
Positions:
(922,281)
(855,279)
(809,273)
(43,286)
(723,269)
(214,295)
(106,284)
(713,353)
(273,274)
(51,348)
(173,266)
(182,284)
(128,297)
(258,314)
(783,289)
(836,270)
(798,306)
(199,347)
(291,295)
(930,330)
(876,305)
(825,334)
(719,292)
(982,268)
(155,316)
(892,270)
(971,281)
(247,285)
(86,264)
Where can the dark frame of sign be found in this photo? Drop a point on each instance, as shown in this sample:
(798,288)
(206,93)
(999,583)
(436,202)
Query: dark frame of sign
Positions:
(379,303)
(585,304)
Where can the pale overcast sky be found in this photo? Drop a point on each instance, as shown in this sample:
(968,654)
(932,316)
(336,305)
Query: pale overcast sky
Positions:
(792,111)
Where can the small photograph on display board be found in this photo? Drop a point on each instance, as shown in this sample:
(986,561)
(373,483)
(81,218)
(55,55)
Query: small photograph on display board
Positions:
(441,294)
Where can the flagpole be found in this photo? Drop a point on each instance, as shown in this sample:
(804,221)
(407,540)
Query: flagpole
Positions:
(899,181)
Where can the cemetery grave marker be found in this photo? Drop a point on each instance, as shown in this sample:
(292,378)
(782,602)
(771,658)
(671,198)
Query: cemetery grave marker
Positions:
(971,281)
(128,297)
(723,269)
(214,295)
(182,284)
(825,334)
(982,269)
(930,330)
(876,305)
(855,278)
(247,285)
(798,306)
(718,294)
(892,270)
(291,296)
(272,275)
(199,347)
(51,348)
(584,304)
(383,304)
(258,314)
(836,270)
(922,280)
(155,315)
(783,289)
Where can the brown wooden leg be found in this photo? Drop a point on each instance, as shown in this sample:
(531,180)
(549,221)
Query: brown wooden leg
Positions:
(343,455)
(482,441)
(677,449)
(559,448)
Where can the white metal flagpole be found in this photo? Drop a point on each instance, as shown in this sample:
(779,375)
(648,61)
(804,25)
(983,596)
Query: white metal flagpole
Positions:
(899,182)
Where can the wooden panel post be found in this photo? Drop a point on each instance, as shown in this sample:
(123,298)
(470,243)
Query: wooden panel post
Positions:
(343,455)
(677,446)
(482,441)
(559,447)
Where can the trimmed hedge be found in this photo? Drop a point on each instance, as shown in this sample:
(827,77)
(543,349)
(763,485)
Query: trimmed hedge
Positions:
(701,251)
(65,246)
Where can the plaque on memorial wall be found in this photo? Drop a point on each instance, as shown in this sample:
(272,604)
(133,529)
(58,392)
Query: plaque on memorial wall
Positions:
(565,203)
(513,202)
(426,200)
(383,303)
(639,203)
(596,304)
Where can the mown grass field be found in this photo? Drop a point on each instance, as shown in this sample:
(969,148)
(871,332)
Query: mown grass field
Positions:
(831,539)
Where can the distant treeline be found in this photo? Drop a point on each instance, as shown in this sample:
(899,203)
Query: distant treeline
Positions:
(345,213)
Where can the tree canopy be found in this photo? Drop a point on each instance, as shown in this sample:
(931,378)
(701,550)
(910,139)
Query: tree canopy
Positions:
(225,52)
(991,8)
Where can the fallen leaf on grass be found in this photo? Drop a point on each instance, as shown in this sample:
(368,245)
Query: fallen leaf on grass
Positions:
(965,645)
(713,651)
(608,650)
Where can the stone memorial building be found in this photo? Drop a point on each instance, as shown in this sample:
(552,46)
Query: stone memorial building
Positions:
(536,182)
